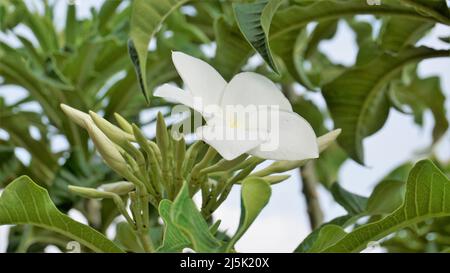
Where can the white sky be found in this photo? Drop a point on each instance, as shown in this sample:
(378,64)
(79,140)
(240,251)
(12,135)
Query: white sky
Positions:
(283,223)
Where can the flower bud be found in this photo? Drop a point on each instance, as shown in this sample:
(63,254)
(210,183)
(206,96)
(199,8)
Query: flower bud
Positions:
(326,140)
(162,137)
(275,179)
(89,192)
(107,149)
(123,123)
(76,115)
(111,131)
(120,188)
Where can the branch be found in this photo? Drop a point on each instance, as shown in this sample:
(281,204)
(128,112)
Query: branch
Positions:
(315,213)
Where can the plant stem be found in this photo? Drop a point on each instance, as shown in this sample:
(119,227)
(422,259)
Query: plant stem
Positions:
(315,213)
(195,174)
(139,207)
(146,242)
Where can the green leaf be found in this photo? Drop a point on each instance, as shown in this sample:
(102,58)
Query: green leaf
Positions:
(254,21)
(354,204)
(306,49)
(327,166)
(10,166)
(398,33)
(255,194)
(288,23)
(427,193)
(437,9)
(357,99)
(24,202)
(146,18)
(309,241)
(127,239)
(400,173)
(174,240)
(421,95)
(232,51)
(326,237)
(187,218)
(387,196)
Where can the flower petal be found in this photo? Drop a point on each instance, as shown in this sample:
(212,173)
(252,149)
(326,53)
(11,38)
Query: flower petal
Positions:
(249,88)
(175,94)
(228,148)
(292,139)
(201,78)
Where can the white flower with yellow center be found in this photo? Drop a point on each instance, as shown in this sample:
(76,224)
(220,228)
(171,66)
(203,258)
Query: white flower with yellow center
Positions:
(247,115)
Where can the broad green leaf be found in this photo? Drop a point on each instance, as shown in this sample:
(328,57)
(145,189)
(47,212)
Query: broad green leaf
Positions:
(254,21)
(421,95)
(327,166)
(309,241)
(290,21)
(325,30)
(363,30)
(255,194)
(232,51)
(437,9)
(146,18)
(306,51)
(354,204)
(326,237)
(24,202)
(399,173)
(187,218)
(398,33)
(174,240)
(427,193)
(357,99)
(387,196)
(127,239)
(10,165)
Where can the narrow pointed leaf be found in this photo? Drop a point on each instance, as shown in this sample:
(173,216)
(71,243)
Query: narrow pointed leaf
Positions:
(254,20)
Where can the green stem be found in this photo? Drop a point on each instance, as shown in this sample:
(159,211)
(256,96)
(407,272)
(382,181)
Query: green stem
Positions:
(195,175)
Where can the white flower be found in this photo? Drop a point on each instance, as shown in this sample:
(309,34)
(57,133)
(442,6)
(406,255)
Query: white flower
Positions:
(295,138)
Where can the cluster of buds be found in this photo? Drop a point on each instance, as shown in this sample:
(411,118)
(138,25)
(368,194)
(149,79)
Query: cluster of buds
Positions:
(157,170)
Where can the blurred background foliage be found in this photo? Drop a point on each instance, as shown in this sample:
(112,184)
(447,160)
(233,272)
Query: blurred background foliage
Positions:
(85,63)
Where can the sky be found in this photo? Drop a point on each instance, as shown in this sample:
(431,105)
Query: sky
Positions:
(283,224)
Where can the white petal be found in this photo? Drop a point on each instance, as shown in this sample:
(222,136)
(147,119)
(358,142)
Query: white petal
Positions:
(292,139)
(228,148)
(174,94)
(201,78)
(249,88)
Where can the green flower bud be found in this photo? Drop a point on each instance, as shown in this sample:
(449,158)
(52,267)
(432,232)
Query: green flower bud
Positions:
(76,115)
(326,140)
(120,188)
(89,192)
(113,132)
(275,179)
(107,149)
(123,123)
